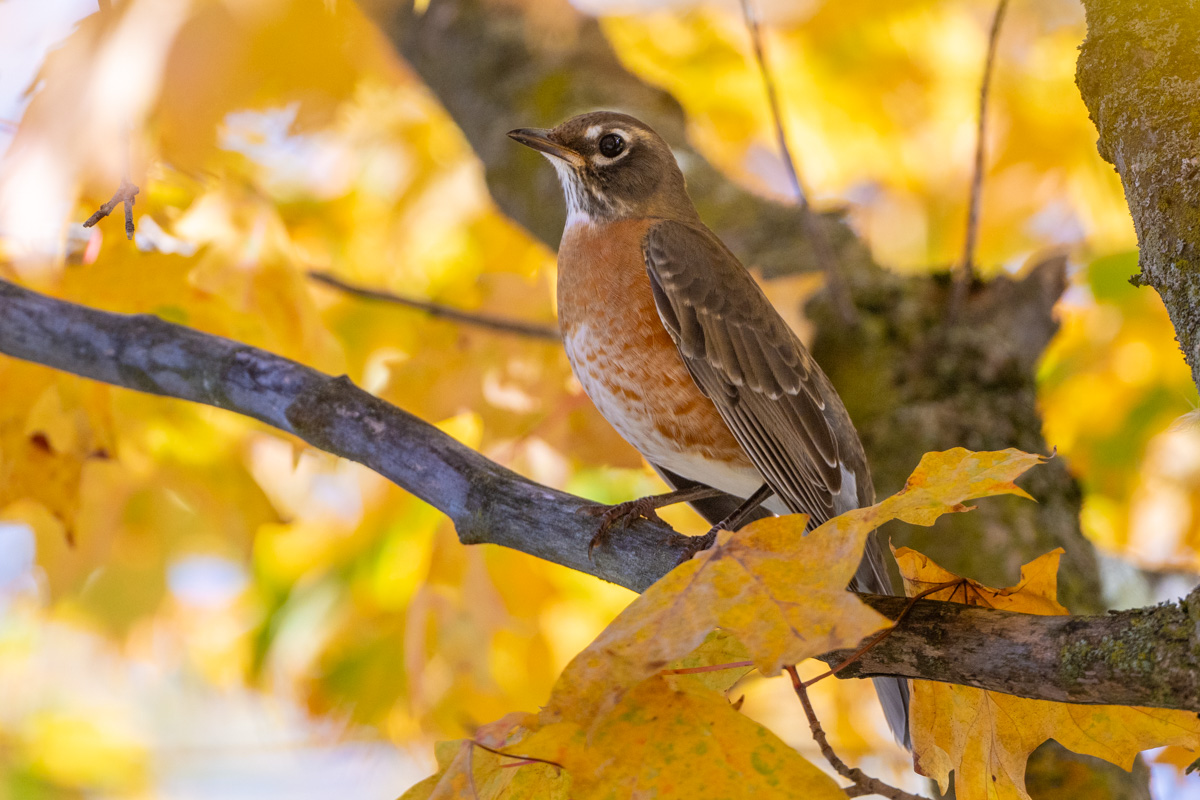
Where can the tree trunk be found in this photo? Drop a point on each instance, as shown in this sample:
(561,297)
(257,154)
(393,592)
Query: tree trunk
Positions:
(1139,75)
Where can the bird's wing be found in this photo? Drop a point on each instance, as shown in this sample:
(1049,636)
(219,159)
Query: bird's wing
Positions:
(779,405)
(745,358)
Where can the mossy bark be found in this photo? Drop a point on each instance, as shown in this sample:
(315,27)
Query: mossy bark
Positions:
(1139,75)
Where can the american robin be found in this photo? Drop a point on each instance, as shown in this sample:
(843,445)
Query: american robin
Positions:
(680,350)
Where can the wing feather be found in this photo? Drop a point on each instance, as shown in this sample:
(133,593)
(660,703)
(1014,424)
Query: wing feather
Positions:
(775,400)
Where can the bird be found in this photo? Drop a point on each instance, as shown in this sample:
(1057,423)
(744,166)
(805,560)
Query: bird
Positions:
(682,353)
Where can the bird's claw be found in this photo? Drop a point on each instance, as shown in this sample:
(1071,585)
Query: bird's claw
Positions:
(698,544)
(624,513)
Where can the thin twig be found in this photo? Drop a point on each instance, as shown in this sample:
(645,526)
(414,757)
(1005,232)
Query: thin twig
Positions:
(814,232)
(967,269)
(523,759)
(500,324)
(125,194)
(883,634)
(863,784)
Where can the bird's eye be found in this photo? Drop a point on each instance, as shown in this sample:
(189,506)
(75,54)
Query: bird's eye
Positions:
(611,145)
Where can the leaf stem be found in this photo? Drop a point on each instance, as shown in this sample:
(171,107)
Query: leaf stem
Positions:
(523,759)
(709,668)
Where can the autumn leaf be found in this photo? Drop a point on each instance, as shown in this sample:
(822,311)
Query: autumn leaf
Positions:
(781,593)
(466,769)
(664,742)
(717,664)
(661,741)
(986,737)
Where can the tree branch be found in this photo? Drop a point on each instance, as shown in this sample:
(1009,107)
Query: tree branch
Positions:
(839,292)
(966,271)
(1141,657)
(124,194)
(1146,657)
(863,784)
(487,502)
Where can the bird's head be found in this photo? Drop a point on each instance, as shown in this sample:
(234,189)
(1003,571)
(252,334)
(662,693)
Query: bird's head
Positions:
(611,166)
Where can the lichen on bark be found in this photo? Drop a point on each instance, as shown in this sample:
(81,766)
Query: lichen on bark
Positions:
(1139,75)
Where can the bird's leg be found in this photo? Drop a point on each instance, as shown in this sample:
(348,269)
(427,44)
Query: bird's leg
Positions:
(734,520)
(642,508)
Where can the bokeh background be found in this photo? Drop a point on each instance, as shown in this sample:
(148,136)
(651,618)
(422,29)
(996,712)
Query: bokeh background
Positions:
(195,606)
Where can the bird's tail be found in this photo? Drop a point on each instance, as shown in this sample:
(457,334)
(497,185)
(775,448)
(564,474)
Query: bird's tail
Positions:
(872,576)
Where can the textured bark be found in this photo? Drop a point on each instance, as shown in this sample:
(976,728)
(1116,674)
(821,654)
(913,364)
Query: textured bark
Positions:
(1145,657)
(1139,74)
(915,381)
(487,502)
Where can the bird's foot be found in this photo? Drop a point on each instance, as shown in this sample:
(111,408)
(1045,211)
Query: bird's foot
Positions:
(698,544)
(623,514)
(642,508)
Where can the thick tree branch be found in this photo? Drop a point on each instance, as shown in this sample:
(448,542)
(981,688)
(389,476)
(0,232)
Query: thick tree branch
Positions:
(1146,657)
(1139,74)
(1141,657)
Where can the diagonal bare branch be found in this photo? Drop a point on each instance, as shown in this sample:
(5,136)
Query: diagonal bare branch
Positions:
(967,268)
(822,248)
(485,321)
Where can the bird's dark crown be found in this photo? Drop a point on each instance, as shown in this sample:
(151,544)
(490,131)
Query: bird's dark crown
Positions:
(612,166)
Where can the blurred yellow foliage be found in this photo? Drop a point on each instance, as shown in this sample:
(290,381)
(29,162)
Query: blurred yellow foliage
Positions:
(880,101)
(1118,399)
(89,751)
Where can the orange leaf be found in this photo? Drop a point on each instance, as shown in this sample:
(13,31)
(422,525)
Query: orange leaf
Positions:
(986,737)
(661,742)
(781,593)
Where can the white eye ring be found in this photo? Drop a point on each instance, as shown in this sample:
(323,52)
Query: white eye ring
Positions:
(626,140)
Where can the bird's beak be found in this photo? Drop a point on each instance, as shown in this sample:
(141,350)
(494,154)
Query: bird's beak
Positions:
(539,139)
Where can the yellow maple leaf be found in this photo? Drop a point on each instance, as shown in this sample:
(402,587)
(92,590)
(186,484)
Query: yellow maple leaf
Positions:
(663,742)
(475,768)
(986,737)
(781,593)
(717,664)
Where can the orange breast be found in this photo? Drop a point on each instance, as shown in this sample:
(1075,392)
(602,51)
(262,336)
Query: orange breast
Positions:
(622,354)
